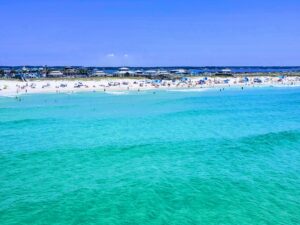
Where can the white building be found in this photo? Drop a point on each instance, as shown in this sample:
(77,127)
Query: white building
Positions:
(124,71)
(150,72)
(98,73)
(179,71)
(226,70)
(55,73)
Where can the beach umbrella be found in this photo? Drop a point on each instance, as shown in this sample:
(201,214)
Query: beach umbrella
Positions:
(257,80)
(184,79)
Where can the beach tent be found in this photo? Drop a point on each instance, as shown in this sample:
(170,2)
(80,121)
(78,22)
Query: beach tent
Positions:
(226,81)
(184,79)
(156,81)
(245,79)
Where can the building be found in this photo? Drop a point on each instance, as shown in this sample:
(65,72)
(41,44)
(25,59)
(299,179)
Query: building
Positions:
(98,73)
(150,73)
(179,71)
(124,71)
(224,72)
(68,71)
(55,73)
(138,72)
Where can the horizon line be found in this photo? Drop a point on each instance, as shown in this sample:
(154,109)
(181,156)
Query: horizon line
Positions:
(28,65)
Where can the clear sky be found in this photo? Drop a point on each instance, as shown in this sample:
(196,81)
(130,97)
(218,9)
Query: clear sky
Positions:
(150,32)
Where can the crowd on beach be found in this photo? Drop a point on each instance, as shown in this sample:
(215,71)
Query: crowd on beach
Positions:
(15,87)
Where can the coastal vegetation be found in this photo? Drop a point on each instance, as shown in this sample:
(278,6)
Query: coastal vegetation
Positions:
(30,72)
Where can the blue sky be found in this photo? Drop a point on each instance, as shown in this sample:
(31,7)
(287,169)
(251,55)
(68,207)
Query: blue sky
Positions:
(150,32)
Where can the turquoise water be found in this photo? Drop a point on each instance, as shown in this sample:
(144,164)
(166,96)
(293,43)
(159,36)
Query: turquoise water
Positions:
(213,158)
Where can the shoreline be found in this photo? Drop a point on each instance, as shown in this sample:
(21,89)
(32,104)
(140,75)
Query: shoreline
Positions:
(14,88)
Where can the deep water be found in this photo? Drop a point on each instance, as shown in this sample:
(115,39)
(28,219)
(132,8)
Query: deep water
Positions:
(208,157)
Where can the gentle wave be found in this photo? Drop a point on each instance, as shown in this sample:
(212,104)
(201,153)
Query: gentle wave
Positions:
(275,137)
(26,122)
(116,93)
(286,86)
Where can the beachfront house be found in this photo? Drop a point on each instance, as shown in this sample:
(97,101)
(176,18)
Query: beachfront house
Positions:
(138,73)
(68,71)
(98,73)
(179,71)
(124,72)
(6,72)
(150,73)
(224,72)
(55,73)
(163,74)
(25,70)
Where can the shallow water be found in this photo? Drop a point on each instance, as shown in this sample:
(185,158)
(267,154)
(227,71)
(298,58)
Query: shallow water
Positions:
(208,157)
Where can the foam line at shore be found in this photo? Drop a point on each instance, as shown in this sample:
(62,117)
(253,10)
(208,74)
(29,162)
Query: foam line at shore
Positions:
(189,90)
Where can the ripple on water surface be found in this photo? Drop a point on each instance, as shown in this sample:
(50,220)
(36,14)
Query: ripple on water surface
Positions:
(169,158)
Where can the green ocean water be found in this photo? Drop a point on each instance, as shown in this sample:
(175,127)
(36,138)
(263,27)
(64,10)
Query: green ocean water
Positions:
(209,157)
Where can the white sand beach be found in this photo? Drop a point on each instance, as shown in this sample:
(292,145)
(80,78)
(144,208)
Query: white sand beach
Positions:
(13,88)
